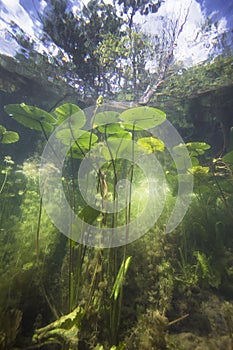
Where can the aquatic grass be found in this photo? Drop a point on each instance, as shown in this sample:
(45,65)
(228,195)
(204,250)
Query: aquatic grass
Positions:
(102,271)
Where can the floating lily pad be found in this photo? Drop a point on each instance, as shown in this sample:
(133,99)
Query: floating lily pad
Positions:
(113,128)
(134,127)
(32,117)
(8,136)
(105,118)
(151,144)
(123,134)
(81,137)
(143,117)
(72,111)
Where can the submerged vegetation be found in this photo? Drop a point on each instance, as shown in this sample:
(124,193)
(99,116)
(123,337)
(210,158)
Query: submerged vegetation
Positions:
(60,294)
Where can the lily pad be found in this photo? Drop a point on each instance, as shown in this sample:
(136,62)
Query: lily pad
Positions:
(72,111)
(105,118)
(134,127)
(124,134)
(113,128)
(8,136)
(143,117)
(81,137)
(151,144)
(32,117)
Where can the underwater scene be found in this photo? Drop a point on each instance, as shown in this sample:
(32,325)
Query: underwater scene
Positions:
(116,175)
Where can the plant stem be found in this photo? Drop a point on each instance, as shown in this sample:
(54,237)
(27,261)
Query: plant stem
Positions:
(4,182)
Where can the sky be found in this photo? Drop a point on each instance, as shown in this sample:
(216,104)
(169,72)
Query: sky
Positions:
(191,46)
(25,14)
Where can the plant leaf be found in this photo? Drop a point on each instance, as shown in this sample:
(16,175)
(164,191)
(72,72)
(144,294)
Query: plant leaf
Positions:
(151,144)
(8,136)
(120,278)
(82,137)
(197,148)
(32,117)
(105,118)
(69,110)
(143,117)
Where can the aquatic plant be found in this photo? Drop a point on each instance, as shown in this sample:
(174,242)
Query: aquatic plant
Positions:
(10,321)
(93,289)
(108,268)
(7,137)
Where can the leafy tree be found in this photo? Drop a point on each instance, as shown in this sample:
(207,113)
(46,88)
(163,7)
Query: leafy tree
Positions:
(131,7)
(123,60)
(136,49)
(80,34)
(103,41)
(164,43)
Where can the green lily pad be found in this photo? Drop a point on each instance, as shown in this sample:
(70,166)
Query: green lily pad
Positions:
(32,117)
(79,136)
(8,136)
(105,118)
(113,128)
(128,126)
(151,144)
(143,117)
(124,134)
(69,110)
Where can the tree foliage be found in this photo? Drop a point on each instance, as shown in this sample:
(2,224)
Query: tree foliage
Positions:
(80,34)
(102,41)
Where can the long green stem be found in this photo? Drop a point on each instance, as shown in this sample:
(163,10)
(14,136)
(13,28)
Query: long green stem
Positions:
(4,182)
(38,232)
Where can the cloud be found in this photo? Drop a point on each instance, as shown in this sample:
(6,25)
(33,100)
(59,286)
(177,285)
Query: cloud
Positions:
(13,11)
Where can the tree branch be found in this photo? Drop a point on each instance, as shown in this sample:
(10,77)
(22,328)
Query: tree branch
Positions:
(165,61)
